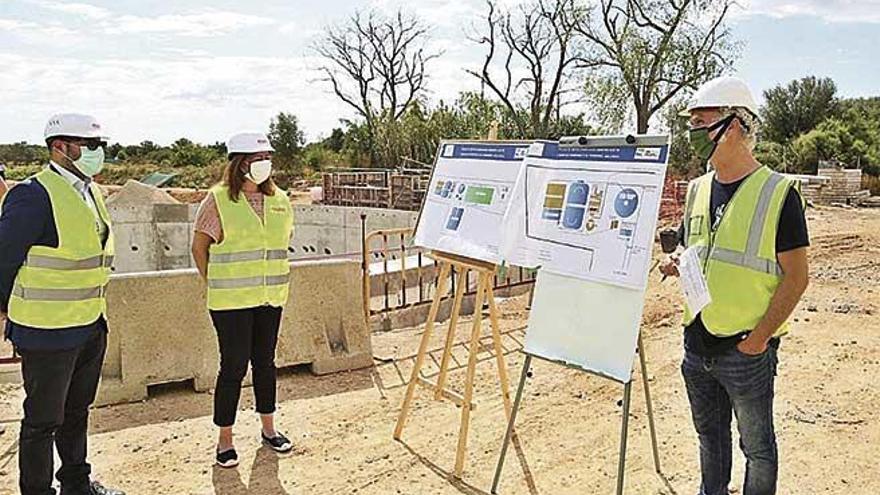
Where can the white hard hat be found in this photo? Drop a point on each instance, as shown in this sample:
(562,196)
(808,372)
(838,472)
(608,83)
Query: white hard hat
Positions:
(248,142)
(723,91)
(74,125)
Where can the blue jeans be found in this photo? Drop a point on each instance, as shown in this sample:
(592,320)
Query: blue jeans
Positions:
(744,384)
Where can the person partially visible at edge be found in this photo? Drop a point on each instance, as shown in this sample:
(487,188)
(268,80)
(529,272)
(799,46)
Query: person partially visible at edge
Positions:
(240,245)
(56,249)
(3,186)
(747,224)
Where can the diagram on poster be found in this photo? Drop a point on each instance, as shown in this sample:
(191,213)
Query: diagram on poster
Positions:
(468,196)
(588,211)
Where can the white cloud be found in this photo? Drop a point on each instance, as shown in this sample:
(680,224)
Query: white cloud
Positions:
(33,31)
(202,23)
(202,98)
(81,9)
(195,24)
(828,10)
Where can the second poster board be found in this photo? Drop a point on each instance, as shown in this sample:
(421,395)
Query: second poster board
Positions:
(593,241)
(588,210)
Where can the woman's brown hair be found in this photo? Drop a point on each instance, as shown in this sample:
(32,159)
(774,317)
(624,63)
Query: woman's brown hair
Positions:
(233,178)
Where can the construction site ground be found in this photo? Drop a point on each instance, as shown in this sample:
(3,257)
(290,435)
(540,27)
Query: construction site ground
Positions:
(827,410)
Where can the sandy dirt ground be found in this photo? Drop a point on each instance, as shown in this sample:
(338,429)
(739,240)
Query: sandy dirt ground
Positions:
(827,410)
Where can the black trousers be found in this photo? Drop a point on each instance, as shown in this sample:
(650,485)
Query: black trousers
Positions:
(244,335)
(60,386)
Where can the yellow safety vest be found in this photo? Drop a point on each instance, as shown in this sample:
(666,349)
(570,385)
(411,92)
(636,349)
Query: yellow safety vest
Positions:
(64,287)
(249,268)
(739,258)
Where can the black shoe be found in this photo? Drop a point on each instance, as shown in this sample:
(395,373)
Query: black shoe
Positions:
(227,458)
(96,488)
(278,443)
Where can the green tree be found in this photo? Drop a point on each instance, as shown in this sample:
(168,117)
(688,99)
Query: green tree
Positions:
(774,155)
(184,152)
(826,142)
(288,140)
(682,161)
(335,141)
(797,108)
(645,53)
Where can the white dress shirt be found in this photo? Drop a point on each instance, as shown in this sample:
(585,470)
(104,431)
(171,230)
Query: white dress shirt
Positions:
(85,192)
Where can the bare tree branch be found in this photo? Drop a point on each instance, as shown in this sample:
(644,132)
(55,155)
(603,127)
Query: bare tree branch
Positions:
(531,53)
(658,48)
(376,64)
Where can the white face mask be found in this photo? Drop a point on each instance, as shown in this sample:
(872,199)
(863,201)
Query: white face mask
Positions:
(260,171)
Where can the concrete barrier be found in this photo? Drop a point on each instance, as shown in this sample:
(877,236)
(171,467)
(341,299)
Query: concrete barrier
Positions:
(160,330)
(157,236)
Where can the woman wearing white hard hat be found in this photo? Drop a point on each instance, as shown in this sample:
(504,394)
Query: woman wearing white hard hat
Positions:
(242,233)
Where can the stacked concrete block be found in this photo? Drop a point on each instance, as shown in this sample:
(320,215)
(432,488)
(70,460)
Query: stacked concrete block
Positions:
(153,230)
(834,185)
(335,230)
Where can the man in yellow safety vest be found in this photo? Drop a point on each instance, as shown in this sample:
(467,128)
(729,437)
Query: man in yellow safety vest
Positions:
(746,225)
(56,248)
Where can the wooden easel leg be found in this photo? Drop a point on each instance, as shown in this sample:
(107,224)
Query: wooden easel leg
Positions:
(460,454)
(651,427)
(423,348)
(499,351)
(450,334)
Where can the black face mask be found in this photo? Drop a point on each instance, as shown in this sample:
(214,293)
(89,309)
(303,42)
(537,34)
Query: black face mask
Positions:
(703,145)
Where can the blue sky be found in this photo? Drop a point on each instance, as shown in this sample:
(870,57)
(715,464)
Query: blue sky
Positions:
(202,69)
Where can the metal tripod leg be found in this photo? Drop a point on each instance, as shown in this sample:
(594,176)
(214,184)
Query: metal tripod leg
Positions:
(510,423)
(621,463)
(649,405)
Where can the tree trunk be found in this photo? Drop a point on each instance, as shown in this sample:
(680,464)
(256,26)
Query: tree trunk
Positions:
(642,117)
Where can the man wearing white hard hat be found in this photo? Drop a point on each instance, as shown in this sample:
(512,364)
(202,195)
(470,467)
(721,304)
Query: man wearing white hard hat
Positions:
(56,248)
(746,225)
(240,245)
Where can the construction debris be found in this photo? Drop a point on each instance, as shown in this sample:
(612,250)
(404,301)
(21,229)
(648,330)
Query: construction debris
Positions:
(401,189)
(834,185)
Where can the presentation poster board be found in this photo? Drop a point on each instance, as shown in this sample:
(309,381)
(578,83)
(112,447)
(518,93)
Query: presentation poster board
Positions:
(588,325)
(469,193)
(588,211)
(587,218)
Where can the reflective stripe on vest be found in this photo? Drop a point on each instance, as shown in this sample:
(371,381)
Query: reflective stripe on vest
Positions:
(739,255)
(250,266)
(238,283)
(56,294)
(51,262)
(64,287)
(259,254)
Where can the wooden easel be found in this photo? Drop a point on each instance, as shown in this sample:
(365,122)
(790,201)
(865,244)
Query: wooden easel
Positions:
(485,273)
